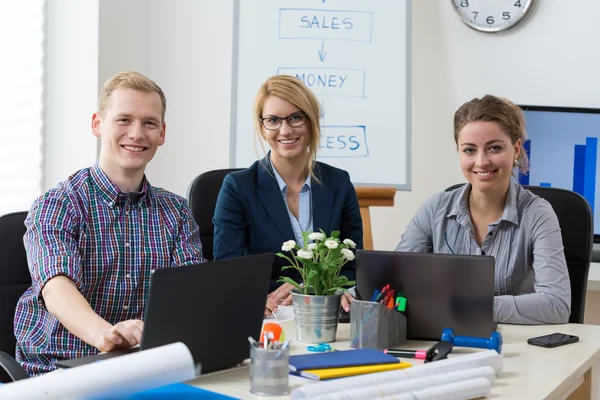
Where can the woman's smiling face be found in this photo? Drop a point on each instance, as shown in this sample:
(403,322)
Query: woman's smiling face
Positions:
(487,156)
(287,142)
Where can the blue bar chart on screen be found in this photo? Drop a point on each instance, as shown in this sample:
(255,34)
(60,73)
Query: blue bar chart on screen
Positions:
(562,147)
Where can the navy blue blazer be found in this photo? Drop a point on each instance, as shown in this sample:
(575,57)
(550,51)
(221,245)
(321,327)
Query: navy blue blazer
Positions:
(251,216)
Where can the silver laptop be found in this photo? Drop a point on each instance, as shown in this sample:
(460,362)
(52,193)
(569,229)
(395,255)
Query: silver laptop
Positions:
(442,290)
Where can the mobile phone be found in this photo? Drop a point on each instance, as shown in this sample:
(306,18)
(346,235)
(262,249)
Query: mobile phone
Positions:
(553,340)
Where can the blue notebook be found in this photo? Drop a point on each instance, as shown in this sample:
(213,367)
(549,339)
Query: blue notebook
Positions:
(179,391)
(339,359)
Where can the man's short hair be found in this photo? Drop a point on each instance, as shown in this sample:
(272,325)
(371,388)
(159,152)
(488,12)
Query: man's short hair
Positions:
(129,80)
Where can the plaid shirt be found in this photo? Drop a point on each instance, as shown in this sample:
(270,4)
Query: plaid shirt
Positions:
(108,243)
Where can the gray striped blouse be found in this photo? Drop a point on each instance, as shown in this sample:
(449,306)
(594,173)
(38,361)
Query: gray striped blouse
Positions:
(532,282)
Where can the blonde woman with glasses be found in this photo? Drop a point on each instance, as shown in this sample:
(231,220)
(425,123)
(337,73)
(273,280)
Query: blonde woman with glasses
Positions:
(287,191)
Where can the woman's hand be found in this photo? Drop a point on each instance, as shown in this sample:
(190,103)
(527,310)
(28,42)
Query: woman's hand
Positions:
(270,308)
(347,298)
(282,295)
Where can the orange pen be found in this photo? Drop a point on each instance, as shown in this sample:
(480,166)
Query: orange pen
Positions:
(390,303)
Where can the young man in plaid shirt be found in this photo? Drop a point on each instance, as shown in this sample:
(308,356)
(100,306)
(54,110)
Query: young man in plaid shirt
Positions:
(93,241)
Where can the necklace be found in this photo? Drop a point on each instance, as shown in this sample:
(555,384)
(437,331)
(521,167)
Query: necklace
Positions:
(294,199)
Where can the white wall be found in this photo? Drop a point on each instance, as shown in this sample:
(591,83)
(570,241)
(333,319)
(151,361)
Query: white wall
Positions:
(123,38)
(87,42)
(550,59)
(189,56)
(71,87)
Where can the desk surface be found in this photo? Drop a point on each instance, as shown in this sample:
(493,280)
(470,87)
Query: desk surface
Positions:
(529,372)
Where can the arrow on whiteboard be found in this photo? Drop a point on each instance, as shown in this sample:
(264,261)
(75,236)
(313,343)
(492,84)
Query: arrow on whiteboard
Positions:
(322,52)
(322,116)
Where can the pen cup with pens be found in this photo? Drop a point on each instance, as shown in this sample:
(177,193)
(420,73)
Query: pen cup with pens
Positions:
(378,324)
(269,367)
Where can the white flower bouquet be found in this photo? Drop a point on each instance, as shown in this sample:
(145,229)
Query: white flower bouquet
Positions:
(319,262)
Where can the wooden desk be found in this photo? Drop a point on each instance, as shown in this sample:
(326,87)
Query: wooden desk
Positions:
(529,372)
(592,301)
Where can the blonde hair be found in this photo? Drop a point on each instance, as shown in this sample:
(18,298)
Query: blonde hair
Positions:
(501,111)
(129,80)
(292,90)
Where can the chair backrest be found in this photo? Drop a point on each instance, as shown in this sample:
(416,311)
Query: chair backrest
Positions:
(14,275)
(202,196)
(577,228)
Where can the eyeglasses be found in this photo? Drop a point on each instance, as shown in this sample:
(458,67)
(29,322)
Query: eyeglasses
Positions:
(294,120)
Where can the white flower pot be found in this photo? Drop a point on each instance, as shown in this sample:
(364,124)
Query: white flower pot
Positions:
(316,317)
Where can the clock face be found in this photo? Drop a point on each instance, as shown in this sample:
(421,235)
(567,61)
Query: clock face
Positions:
(492,15)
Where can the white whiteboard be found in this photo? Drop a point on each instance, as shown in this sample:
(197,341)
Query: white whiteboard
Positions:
(355,56)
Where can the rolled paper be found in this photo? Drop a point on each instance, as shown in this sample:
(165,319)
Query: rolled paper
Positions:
(479,359)
(111,378)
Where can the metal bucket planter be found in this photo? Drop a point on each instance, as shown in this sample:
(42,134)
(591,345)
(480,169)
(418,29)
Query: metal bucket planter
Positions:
(316,317)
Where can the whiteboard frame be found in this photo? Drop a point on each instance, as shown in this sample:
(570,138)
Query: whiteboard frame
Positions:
(234,85)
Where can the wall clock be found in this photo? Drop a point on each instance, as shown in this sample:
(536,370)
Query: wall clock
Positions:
(493,15)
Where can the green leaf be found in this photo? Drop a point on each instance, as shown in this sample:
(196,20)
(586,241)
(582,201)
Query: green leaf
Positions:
(305,238)
(287,279)
(342,281)
(334,289)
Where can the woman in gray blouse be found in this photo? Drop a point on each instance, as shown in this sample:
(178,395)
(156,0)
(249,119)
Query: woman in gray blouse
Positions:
(494,215)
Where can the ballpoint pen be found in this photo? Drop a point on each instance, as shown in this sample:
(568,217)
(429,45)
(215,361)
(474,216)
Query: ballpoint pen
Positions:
(252,341)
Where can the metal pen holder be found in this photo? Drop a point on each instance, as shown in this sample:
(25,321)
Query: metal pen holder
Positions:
(269,371)
(375,326)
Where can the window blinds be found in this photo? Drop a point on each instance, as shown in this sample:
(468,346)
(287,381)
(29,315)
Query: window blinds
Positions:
(22,46)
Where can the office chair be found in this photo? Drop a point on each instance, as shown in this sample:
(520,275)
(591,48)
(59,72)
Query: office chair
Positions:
(202,196)
(14,280)
(577,230)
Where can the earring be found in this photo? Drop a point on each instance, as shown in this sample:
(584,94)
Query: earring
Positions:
(516,162)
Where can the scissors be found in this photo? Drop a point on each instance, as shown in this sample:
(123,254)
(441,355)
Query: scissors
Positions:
(319,348)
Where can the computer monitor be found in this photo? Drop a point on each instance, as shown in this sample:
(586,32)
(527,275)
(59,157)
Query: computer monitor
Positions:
(562,146)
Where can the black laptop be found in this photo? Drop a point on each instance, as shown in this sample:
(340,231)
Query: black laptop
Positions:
(442,290)
(212,308)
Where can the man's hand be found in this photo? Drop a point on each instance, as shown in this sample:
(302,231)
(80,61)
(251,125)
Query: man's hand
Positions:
(125,334)
(282,295)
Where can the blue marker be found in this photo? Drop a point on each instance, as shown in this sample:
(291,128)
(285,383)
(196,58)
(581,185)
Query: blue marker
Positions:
(375,295)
